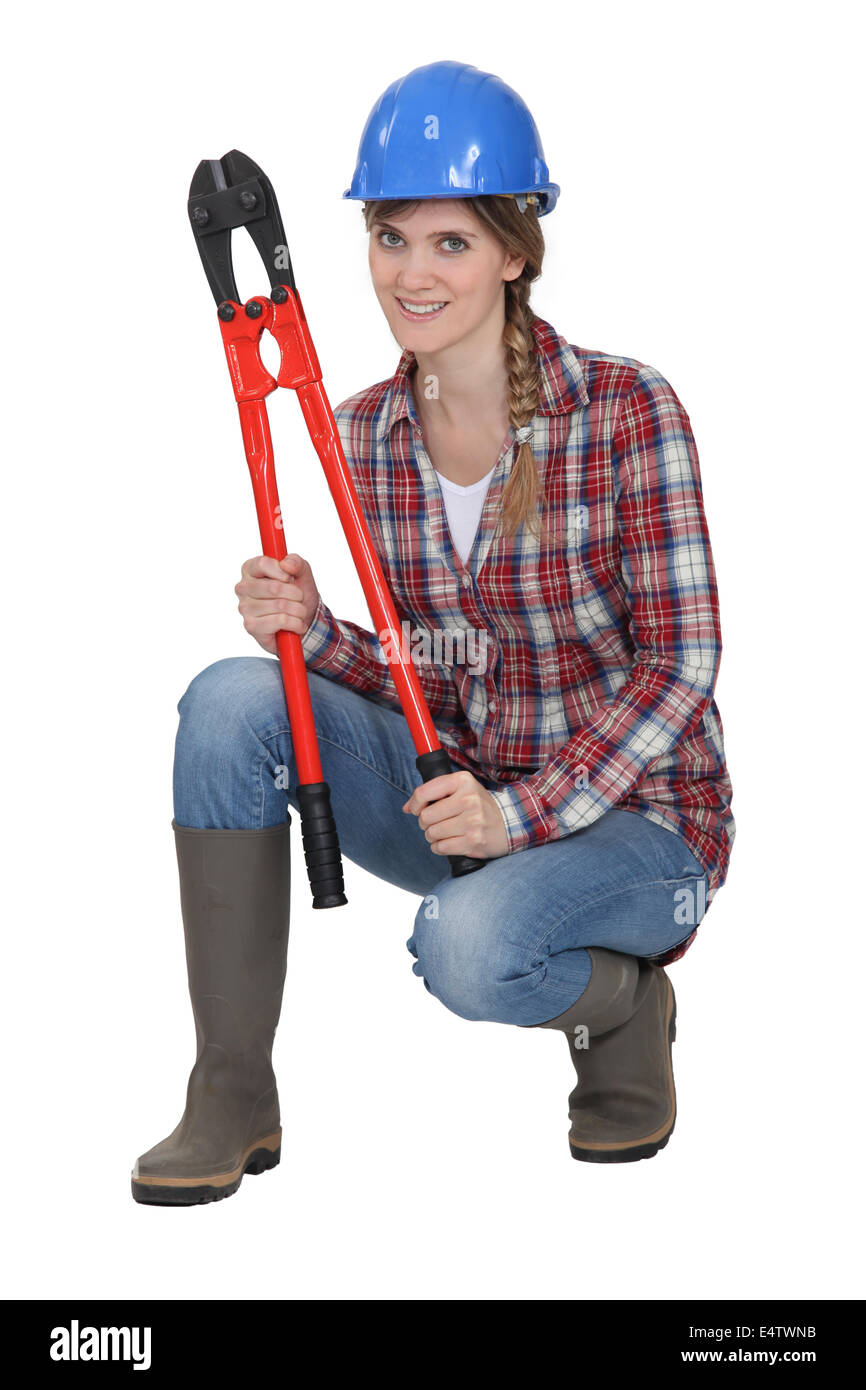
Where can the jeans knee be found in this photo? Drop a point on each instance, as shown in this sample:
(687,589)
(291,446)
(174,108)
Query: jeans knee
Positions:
(224,689)
(227,703)
(465,958)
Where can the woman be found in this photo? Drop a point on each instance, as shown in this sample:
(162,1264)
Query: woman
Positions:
(538,514)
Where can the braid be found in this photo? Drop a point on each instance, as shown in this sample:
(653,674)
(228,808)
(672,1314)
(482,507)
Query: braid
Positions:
(523,489)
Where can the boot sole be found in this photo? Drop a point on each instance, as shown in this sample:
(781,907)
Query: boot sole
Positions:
(631,1153)
(192,1192)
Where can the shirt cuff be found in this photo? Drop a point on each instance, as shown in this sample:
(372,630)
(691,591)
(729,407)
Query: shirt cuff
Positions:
(319,634)
(527,820)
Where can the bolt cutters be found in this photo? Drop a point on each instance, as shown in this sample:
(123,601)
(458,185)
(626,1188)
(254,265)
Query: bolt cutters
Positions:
(227,194)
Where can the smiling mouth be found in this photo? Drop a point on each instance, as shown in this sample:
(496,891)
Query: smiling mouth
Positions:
(419,309)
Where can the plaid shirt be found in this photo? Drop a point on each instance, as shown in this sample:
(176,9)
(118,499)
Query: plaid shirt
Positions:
(572,673)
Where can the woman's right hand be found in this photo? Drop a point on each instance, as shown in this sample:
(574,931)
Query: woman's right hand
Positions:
(276,595)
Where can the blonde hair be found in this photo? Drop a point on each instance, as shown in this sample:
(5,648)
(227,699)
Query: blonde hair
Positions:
(520,234)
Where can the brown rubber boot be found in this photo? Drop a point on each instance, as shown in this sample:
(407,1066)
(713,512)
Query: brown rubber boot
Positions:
(234,891)
(619,1034)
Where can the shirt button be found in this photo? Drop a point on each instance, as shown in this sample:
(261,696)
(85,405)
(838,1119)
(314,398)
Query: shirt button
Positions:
(467,580)
(492,707)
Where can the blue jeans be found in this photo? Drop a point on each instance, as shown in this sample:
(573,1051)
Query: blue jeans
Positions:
(507,943)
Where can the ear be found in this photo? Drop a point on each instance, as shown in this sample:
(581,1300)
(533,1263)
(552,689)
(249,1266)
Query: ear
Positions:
(513,267)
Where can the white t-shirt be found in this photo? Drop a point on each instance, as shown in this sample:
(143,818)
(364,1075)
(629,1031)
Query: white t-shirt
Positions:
(463,507)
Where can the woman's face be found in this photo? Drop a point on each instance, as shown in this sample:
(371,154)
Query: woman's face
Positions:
(439,255)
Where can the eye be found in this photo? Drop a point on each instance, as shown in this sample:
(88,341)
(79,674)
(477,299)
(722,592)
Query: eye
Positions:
(449,243)
(383,242)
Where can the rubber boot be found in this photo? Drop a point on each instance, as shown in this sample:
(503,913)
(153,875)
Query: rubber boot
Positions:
(620,1033)
(235,902)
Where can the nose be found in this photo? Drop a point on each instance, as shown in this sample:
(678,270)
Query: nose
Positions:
(416,271)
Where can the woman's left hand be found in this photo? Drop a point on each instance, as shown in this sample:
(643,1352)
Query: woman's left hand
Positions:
(459,816)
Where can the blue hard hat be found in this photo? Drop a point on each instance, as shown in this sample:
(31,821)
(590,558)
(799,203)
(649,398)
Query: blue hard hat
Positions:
(448,130)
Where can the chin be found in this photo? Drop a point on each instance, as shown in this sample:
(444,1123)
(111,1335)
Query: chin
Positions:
(422,339)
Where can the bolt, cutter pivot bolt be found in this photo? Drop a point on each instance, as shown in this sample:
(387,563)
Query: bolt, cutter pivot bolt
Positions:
(253,310)
(279,295)
(200,217)
(248,201)
(226,313)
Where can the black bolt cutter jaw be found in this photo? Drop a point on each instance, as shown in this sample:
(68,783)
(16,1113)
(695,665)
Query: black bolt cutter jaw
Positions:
(226,194)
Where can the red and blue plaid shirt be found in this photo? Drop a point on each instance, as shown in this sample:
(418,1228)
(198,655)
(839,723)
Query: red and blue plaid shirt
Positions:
(573,672)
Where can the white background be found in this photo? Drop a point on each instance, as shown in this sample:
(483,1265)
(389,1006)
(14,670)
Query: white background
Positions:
(709,158)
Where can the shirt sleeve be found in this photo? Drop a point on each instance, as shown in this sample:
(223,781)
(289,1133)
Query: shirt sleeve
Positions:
(670,581)
(342,651)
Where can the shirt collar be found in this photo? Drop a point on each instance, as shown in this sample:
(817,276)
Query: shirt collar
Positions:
(562,382)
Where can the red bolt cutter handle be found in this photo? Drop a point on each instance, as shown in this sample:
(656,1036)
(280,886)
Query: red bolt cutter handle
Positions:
(242,329)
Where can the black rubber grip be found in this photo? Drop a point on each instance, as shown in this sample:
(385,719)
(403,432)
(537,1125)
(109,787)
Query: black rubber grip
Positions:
(438,764)
(321,846)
